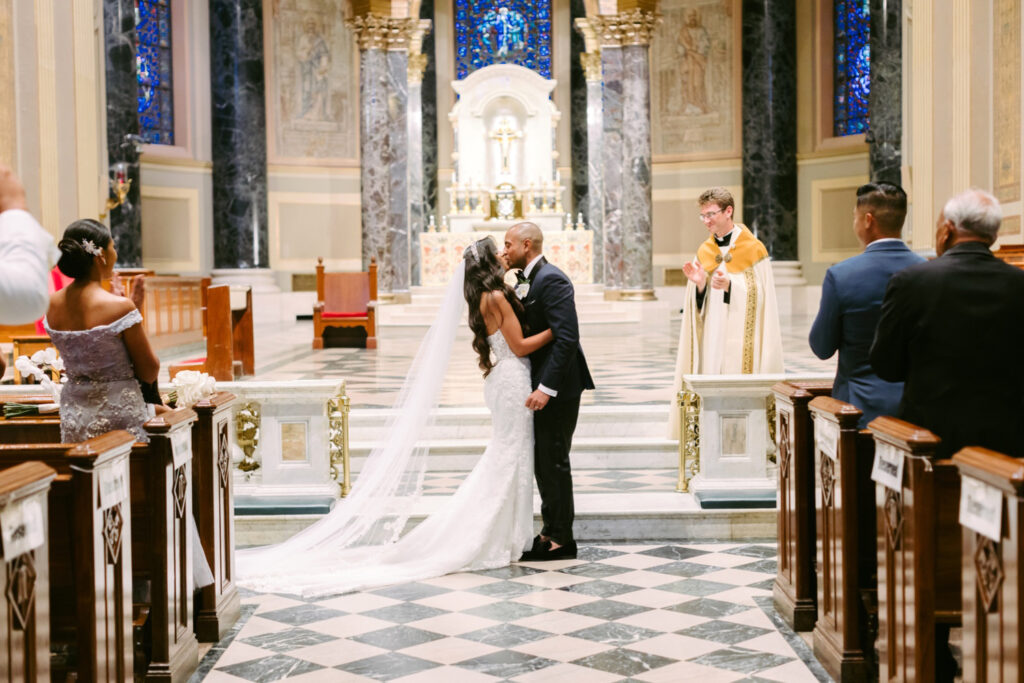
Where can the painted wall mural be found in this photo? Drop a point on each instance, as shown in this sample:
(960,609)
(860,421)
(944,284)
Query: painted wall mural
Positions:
(313,76)
(695,80)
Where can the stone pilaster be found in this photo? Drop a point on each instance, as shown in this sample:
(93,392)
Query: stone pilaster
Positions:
(123,126)
(239,135)
(594,208)
(417,209)
(383,143)
(769,124)
(885,130)
(626,151)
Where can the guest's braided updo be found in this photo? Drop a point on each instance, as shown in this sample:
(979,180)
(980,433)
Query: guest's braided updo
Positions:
(76,260)
(485,274)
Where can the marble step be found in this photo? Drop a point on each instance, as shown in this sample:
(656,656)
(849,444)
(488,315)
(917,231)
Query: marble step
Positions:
(633,516)
(459,455)
(627,421)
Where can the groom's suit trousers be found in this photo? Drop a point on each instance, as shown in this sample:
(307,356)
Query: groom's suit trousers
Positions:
(553,427)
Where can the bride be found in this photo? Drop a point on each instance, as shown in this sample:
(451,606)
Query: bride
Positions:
(487,523)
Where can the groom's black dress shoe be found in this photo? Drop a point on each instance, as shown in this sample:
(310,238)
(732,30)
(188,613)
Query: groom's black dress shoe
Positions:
(544,553)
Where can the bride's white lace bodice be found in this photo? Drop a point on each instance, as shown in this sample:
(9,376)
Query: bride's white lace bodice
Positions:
(101,393)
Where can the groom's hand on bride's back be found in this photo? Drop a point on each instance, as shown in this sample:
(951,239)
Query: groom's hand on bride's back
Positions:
(537,400)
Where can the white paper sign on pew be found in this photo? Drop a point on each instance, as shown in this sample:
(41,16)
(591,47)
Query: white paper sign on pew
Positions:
(21,528)
(113,484)
(981,508)
(826,436)
(888,467)
(181,447)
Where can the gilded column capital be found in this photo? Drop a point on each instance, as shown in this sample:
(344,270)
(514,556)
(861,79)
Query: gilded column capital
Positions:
(417,65)
(374,31)
(635,27)
(591,62)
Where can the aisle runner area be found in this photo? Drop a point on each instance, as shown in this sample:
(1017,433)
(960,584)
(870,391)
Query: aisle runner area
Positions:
(659,612)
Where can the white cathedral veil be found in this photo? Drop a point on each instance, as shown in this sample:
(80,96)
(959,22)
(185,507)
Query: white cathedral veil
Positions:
(321,559)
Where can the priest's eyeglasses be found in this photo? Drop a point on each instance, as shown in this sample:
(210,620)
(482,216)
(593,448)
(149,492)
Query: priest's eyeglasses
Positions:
(708,215)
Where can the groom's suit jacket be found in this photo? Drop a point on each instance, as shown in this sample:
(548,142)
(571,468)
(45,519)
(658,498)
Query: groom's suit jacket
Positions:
(550,303)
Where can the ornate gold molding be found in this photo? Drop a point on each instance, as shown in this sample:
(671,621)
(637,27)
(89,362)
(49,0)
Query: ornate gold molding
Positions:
(591,62)
(417,64)
(374,31)
(635,27)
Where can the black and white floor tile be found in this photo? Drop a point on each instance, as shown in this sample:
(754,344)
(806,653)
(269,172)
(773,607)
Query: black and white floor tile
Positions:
(658,612)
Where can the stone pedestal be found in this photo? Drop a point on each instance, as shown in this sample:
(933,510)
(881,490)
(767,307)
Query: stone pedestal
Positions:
(123,127)
(886,99)
(239,140)
(769,124)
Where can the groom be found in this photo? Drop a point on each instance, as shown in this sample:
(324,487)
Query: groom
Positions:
(559,375)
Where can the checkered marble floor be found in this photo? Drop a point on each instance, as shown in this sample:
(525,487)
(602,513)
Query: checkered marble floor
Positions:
(672,611)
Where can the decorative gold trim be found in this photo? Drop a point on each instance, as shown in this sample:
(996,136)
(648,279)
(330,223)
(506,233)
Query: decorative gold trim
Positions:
(337,420)
(689,438)
(591,62)
(417,65)
(634,27)
(749,322)
(247,435)
(637,295)
(374,32)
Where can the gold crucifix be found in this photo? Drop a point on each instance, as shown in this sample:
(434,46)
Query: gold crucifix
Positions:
(504,133)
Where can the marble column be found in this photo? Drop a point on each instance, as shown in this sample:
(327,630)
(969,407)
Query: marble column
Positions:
(769,124)
(579,148)
(885,130)
(429,115)
(626,152)
(417,208)
(594,207)
(123,127)
(384,148)
(239,140)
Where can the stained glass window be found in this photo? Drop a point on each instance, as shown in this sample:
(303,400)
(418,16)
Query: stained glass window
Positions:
(502,32)
(852,55)
(153,63)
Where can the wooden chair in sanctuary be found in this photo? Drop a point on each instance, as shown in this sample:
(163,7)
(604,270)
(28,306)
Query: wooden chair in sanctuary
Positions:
(345,305)
(229,336)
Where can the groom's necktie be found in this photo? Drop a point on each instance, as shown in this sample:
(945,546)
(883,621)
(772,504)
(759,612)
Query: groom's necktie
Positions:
(520,277)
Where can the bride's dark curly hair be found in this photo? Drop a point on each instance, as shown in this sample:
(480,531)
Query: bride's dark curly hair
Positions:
(485,274)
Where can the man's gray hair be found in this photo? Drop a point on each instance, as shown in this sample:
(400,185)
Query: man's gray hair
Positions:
(975,211)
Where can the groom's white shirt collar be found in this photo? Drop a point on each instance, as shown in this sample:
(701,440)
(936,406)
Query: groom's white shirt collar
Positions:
(531,265)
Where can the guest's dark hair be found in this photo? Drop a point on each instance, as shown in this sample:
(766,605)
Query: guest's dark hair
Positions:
(485,274)
(887,203)
(75,259)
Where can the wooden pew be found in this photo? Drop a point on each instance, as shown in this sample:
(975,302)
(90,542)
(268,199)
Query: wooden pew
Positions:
(90,555)
(219,604)
(1012,254)
(25,602)
(212,499)
(346,301)
(992,579)
(229,336)
(794,592)
(174,310)
(847,556)
(918,552)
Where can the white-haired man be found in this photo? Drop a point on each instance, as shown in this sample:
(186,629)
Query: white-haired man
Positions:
(952,329)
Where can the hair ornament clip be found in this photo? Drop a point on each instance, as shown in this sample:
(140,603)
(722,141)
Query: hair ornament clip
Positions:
(476,254)
(91,247)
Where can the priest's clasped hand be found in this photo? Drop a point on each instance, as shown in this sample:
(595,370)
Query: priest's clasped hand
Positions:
(720,281)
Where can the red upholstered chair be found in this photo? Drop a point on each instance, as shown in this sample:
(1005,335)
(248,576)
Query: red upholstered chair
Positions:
(345,300)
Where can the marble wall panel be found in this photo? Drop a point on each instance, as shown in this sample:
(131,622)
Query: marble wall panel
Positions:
(430,117)
(695,84)
(886,98)
(578,116)
(312,101)
(636,180)
(612,141)
(373,152)
(395,271)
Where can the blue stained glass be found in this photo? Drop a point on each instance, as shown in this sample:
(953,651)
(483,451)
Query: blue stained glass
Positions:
(852,57)
(154,71)
(502,32)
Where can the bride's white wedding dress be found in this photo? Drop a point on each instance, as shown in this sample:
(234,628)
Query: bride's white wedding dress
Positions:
(487,523)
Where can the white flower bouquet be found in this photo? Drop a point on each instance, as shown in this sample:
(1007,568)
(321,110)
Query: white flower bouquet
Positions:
(42,366)
(190,387)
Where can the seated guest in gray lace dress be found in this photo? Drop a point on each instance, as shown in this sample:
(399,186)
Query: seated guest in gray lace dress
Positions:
(101,339)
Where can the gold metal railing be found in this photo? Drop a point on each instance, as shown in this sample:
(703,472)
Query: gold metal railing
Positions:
(689,438)
(337,424)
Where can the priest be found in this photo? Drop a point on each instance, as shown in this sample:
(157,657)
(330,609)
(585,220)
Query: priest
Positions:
(730,319)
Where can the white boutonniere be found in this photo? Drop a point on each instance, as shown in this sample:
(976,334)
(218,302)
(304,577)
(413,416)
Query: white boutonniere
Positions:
(522,289)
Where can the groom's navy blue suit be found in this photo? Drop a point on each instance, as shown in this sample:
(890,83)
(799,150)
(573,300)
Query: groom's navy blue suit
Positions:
(559,366)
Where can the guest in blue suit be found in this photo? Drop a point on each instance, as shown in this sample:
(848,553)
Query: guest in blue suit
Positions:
(851,300)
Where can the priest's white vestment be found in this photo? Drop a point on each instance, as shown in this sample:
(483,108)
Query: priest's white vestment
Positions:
(738,337)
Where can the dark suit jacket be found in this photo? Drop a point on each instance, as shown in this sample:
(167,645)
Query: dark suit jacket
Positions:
(953,330)
(550,303)
(851,301)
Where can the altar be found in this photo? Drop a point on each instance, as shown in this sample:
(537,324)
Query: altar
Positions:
(505,171)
